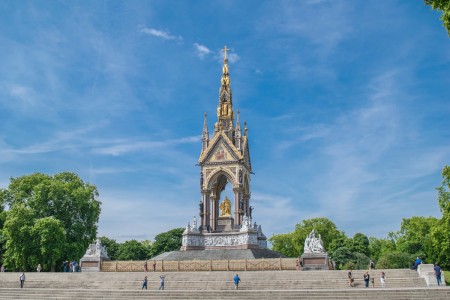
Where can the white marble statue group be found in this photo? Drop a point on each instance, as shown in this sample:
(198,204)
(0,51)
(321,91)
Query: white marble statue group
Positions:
(313,244)
(96,249)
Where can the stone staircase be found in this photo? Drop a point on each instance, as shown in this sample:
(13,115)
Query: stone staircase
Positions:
(400,284)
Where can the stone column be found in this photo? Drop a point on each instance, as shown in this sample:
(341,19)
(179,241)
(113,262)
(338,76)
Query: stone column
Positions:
(237,206)
(213,212)
(205,213)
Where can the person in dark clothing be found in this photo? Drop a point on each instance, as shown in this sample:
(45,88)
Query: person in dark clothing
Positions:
(366,279)
(236,281)
(22,280)
(437,272)
(144,283)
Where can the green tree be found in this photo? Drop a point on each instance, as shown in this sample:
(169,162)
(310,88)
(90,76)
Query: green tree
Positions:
(342,256)
(17,232)
(167,241)
(337,243)
(132,250)
(444,7)
(112,247)
(395,260)
(414,236)
(292,244)
(359,244)
(283,243)
(378,247)
(2,221)
(66,198)
(440,234)
(49,240)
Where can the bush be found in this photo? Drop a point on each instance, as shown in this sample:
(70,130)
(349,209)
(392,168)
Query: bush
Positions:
(395,260)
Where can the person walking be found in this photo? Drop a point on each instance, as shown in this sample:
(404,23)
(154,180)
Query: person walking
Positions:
(366,279)
(144,283)
(65,265)
(2,269)
(383,279)
(145,267)
(350,278)
(437,272)
(236,281)
(22,280)
(161,282)
(39,268)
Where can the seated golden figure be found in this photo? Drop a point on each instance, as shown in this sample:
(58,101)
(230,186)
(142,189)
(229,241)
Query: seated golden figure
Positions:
(225,207)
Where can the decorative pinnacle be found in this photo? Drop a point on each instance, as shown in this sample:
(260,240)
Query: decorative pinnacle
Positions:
(225,50)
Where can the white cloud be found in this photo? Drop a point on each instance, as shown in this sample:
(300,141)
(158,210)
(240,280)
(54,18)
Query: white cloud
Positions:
(160,33)
(133,146)
(201,50)
(233,57)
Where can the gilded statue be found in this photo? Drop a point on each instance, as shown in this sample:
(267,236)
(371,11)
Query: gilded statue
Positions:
(225,207)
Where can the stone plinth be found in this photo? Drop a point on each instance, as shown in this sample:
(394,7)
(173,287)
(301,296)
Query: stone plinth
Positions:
(225,224)
(314,261)
(250,239)
(249,236)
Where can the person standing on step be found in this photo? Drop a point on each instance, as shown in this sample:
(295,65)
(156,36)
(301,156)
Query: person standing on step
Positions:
(350,278)
(154,266)
(383,279)
(145,267)
(366,279)
(144,283)
(437,272)
(236,281)
(39,268)
(372,280)
(161,281)
(22,280)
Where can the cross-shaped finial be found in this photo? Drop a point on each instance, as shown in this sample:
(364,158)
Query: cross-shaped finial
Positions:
(225,50)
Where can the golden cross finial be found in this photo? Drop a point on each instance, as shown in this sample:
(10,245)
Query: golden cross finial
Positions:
(225,50)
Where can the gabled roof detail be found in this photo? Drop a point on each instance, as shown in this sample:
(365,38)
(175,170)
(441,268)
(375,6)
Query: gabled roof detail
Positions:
(220,140)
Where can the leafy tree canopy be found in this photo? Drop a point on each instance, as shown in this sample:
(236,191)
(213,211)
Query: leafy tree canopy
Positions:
(167,241)
(59,211)
(414,236)
(440,237)
(444,7)
(132,250)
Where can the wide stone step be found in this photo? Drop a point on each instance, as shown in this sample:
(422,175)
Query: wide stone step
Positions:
(417,293)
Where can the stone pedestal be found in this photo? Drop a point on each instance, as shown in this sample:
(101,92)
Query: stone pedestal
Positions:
(314,261)
(249,236)
(225,224)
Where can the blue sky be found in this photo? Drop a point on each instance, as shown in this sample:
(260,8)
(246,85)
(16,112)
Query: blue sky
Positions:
(347,105)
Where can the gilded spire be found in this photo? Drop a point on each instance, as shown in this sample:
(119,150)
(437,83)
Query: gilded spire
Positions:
(225,75)
(225,108)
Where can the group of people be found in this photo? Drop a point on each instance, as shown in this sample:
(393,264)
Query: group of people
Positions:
(71,266)
(161,282)
(162,277)
(146,266)
(367,279)
(437,270)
